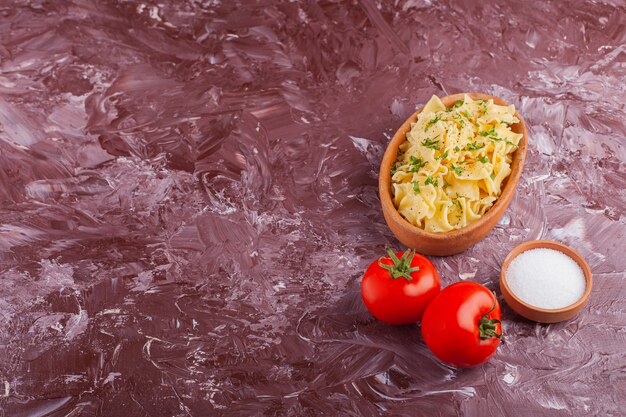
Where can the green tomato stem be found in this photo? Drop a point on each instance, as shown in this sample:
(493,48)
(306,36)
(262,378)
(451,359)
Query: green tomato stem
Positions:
(487,326)
(400,267)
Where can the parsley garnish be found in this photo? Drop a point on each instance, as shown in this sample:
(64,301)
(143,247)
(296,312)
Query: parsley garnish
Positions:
(483,104)
(416,187)
(466,114)
(432,122)
(474,146)
(493,176)
(432,143)
(458,203)
(396,166)
(443,156)
(430,180)
(416,164)
(495,138)
(445,183)
(459,119)
(483,159)
(487,132)
(456,148)
(457,169)
(458,103)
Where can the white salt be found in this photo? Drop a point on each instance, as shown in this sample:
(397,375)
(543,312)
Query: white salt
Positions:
(546,278)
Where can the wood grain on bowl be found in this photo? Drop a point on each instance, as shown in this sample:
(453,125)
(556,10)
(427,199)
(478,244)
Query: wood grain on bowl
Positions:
(455,241)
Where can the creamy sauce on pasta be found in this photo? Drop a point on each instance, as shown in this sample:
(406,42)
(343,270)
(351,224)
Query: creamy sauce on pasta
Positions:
(450,169)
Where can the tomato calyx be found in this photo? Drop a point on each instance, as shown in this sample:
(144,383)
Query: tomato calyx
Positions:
(487,326)
(400,267)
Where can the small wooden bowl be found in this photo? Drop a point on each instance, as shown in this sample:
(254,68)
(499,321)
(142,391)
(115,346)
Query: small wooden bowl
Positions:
(454,241)
(543,315)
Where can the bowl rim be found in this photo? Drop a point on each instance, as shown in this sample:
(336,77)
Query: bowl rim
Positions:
(506,195)
(548,244)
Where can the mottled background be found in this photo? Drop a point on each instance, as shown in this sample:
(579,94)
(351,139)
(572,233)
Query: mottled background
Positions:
(188,200)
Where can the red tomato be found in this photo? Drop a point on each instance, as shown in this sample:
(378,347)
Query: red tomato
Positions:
(462,325)
(396,289)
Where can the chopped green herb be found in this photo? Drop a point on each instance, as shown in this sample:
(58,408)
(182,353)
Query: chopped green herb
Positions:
(474,146)
(445,184)
(460,195)
(416,164)
(432,143)
(456,148)
(487,132)
(430,180)
(495,138)
(394,168)
(493,176)
(432,122)
(458,203)
(443,156)
(466,114)
(457,169)
(458,103)
(483,159)
(416,168)
(448,110)
(459,119)
(416,187)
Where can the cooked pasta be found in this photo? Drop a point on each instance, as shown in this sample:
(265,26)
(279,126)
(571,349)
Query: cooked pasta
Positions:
(450,169)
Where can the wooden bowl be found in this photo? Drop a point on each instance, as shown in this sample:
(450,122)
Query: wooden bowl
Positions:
(544,315)
(454,241)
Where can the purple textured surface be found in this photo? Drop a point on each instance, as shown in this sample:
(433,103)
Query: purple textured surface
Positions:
(188,201)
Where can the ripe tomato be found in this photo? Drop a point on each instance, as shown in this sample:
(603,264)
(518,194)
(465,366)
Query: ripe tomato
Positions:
(396,289)
(462,325)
